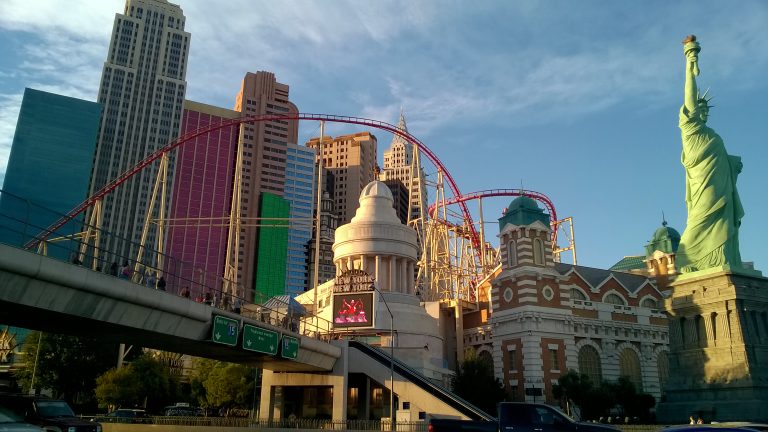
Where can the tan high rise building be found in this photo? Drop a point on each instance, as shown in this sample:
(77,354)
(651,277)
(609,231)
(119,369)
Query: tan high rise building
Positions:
(264,147)
(399,164)
(352,161)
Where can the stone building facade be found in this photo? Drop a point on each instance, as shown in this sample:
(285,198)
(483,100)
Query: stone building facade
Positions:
(545,318)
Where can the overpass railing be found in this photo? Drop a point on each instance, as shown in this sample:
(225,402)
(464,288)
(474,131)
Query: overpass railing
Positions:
(21,220)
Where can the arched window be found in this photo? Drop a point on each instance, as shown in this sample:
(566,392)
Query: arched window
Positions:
(538,252)
(649,303)
(487,358)
(662,363)
(589,364)
(629,366)
(576,294)
(614,299)
(511,253)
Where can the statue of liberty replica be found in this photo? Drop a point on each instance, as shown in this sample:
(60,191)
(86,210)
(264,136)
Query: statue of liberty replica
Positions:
(711,236)
(717,310)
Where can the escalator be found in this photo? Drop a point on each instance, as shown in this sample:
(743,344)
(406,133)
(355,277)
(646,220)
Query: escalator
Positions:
(419,380)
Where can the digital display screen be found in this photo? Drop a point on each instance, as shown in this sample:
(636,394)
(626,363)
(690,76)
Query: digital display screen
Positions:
(353,310)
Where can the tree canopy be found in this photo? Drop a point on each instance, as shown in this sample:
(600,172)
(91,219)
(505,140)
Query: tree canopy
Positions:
(475,382)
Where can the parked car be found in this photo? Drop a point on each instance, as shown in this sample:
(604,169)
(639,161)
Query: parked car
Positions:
(124,415)
(183,411)
(10,422)
(49,414)
(520,417)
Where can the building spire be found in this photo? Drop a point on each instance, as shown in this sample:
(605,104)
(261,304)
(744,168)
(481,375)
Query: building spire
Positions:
(401,126)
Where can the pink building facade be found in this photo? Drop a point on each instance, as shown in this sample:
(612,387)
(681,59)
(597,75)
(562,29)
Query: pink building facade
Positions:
(202,196)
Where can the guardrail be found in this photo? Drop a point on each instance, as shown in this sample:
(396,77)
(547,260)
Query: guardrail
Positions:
(21,220)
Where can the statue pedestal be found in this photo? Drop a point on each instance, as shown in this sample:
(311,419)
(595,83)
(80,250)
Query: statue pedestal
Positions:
(718,347)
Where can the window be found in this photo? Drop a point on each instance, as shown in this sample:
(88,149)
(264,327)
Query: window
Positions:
(649,303)
(553,360)
(511,253)
(662,363)
(629,366)
(589,364)
(614,299)
(512,359)
(576,294)
(538,252)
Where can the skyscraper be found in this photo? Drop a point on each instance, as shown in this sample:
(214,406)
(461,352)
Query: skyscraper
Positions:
(300,192)
(142,90)
(400,163)
(264,147)
(352,161)
(202,197)
(54,135)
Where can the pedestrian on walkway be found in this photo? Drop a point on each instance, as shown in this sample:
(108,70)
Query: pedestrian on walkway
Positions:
(161,283)
(126,272)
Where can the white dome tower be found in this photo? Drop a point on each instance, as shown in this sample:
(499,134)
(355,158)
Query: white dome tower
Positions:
(376,242)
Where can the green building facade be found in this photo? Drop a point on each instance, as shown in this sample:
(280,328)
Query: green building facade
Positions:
(272,255)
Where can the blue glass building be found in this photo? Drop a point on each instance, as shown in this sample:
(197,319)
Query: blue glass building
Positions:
(49,166)
(299,191)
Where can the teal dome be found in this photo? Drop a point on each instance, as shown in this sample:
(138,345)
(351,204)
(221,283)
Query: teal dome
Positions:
(523,211)
(665,239)
(523,202)
(666,232)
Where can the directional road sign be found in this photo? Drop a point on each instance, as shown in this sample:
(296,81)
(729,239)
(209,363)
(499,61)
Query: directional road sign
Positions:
(290,347)
(260,340)
(225,330)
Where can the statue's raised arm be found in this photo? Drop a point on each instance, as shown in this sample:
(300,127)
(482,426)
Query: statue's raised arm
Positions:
(711,236)
(691,48)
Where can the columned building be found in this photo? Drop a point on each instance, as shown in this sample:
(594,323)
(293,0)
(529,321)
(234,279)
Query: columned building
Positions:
(142,93)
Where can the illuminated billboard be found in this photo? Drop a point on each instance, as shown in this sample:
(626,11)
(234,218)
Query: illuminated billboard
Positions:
(353,310)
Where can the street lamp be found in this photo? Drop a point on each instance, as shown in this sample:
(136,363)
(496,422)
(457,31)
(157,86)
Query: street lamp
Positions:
(391,361)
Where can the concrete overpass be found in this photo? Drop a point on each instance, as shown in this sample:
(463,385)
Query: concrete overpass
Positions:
(41,293)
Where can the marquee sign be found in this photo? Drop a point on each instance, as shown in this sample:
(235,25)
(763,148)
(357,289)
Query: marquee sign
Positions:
(353,281)
(353,310)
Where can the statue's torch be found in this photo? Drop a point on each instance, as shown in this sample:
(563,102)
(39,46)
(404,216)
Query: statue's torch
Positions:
(691,46)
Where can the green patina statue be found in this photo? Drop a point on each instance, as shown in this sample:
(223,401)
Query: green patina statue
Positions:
(711,236)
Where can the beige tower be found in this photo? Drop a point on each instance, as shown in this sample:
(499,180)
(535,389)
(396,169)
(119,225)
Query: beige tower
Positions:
(401,163)
(352,161)
(264,146)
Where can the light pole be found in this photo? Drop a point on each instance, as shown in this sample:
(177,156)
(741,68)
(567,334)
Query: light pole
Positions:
(391,361)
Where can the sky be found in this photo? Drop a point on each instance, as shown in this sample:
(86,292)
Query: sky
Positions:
(578,101)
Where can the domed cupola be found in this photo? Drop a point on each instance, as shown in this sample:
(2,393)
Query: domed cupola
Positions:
(523,211)
(665,239)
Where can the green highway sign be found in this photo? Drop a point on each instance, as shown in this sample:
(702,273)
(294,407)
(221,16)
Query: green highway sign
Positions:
(290,347)
(225,330)
(260,340)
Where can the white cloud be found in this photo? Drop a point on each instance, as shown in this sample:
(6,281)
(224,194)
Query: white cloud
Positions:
(9,114)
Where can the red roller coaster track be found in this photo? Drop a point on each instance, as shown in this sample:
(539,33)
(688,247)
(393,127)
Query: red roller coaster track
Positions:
(460,199)
(109,187)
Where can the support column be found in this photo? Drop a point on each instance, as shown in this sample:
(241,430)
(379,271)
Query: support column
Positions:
(362,263)
(403,275)
(392,273)
(409,276)
(377,273)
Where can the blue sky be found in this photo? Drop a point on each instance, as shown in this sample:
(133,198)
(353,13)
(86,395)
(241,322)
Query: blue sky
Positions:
(576,100)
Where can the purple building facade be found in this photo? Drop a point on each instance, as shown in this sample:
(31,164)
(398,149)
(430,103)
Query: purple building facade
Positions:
(202,196)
